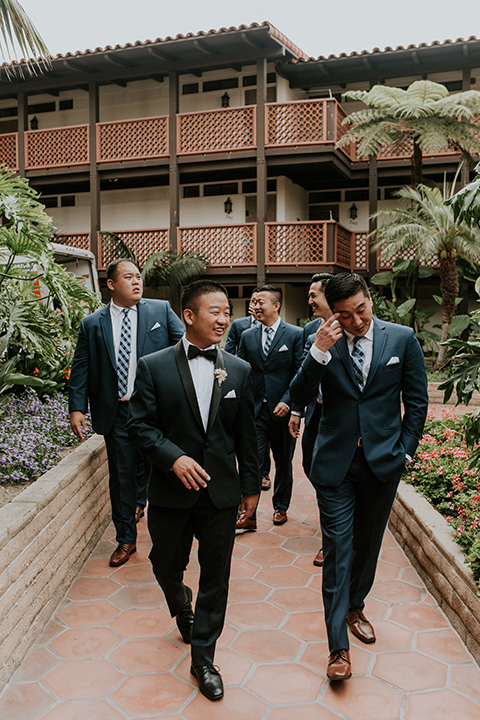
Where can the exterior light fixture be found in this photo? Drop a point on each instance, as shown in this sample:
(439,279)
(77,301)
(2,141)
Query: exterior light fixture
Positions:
(34,123)
(228,206)
(225,100)
(353,212)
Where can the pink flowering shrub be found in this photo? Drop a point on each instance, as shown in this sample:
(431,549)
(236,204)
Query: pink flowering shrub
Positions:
(441,472)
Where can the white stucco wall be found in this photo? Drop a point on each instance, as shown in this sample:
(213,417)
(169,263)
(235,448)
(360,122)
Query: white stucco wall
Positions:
(292,201)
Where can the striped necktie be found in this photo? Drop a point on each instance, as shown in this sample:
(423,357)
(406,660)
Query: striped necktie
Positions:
(358,358)
(268,340)
(124,349)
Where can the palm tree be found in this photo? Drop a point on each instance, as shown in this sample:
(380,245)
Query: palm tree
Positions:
(20,36)
(425,114)
(427,226)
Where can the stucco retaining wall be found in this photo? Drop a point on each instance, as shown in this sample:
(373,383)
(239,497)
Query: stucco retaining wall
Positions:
(428,542)
(46,534)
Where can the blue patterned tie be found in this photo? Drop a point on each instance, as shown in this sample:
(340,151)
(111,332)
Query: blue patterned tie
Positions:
(358,358)
(268,340)
(123,359)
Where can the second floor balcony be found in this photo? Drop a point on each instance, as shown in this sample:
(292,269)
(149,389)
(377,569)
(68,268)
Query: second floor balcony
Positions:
(289,125)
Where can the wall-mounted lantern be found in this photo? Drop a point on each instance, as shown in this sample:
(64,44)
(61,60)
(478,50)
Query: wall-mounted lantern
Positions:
(353,212)
(34,123)
(228,206)
(225,100)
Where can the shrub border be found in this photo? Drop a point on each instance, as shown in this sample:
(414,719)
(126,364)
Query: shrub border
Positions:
(428,542)
(47,533)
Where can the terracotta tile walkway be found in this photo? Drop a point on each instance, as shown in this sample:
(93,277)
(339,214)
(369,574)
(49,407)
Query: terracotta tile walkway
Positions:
(112,652)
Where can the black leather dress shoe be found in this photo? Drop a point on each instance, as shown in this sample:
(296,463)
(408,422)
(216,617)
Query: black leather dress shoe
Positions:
(184,619)
(210,681)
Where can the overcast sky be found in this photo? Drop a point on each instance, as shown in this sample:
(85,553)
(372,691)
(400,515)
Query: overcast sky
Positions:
(319,27)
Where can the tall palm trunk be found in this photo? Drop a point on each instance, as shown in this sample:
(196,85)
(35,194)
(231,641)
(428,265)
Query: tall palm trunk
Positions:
(449,288)
(417,164)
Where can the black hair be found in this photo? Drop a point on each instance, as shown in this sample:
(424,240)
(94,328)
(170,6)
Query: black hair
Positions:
(321,278)
(112,268)
(198,288)
(343,286)
(274,289)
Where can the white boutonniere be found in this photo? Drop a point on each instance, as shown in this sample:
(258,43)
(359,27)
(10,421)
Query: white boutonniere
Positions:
(220,375)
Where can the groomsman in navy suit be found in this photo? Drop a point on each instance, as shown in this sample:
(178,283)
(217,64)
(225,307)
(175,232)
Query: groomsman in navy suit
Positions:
(274,350)
(238,327)
(366,368)
(109,344)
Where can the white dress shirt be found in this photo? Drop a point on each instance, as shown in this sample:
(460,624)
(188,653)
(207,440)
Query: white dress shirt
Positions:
(366,345)
(116,316)
(273,327)
(202,371)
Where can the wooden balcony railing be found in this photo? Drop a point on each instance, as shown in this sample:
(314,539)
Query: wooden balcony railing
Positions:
(57,147)
(143,243)
(296,123)
(9,150)
(77,240)
(225,246)
(142,139)
(296,243)
(214,131)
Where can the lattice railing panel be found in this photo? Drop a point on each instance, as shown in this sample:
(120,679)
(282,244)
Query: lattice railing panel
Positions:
(216,130)
(296,123)
(403,150)
(360,250)
(132,139)
(343,246)
(297,243)
(9,150)
(57,147)
(142,242)
(222,245)
(385,260)
(340,131)
(77,240)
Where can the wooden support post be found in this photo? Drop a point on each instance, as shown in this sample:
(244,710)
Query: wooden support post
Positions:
(95,210)
(22,126)
(173,164)
(261,169)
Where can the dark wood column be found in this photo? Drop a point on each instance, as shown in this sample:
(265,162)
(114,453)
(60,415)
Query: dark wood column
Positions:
(261,169)
(22,126)
(372,208)
(466,85)
(95,209)
(173,167)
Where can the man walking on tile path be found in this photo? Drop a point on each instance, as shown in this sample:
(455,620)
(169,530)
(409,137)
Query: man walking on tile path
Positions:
(192,415)
(274,351)
(103,372)
(366,367)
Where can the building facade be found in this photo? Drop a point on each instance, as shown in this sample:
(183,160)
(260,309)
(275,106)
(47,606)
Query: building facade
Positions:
(221,142)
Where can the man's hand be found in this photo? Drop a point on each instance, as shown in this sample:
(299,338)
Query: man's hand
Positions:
(294,426)
(248,504)
(78,423)
(328,333)
(281,410)
(192,475)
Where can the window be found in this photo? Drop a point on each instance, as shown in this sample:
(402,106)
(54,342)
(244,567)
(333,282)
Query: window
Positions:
(65,105)
(328,196)
(355,195)
(191,191)
(42,108)
(50,202)
(220,189)
(223,84)
(190,89)
(67,201)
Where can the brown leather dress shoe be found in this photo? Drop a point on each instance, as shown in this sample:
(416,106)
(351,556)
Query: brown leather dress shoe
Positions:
(121,554)
(279,517)
(360,626)
(318,559)
(245,523)
(339,666)
(266,483)
(139,513)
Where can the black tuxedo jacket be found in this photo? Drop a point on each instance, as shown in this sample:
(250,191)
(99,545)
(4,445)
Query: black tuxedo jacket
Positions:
(237,328)
(272,374)
(165,423)
(93,379)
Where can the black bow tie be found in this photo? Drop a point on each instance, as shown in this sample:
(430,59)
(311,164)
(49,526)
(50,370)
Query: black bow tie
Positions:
(194,352)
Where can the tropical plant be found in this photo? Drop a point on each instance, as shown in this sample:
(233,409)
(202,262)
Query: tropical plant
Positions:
(466,202)
(165,271)
(41,305)
(20,35)
(425,114)
(426,227)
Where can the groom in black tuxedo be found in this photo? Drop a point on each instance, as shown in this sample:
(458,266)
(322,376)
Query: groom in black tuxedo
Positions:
(192,415)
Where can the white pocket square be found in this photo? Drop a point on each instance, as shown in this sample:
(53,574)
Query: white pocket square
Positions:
(157,325)
(284,348)
(393,360)
(230,394)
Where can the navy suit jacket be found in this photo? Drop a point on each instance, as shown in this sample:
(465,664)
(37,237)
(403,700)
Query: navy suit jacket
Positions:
(311,328)
(272,374)
(397,373)
(165,422)
(237,328)
(93,379)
